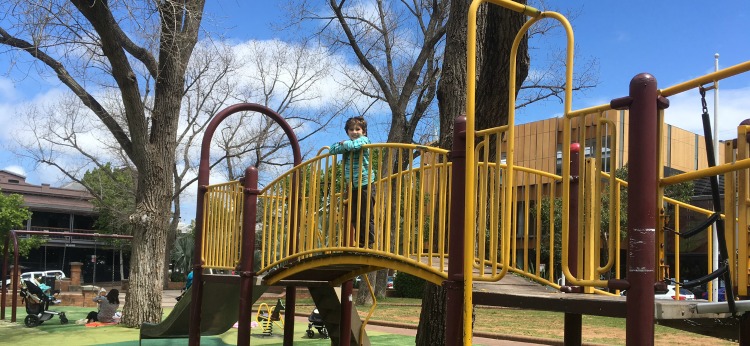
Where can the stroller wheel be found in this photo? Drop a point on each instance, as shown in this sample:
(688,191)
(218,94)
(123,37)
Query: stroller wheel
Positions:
(63,319)
(31,321)
(310,333)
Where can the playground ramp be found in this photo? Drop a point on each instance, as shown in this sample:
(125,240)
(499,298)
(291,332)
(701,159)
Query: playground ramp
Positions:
(220,309)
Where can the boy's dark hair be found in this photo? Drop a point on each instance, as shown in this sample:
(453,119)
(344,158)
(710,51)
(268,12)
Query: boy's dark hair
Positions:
(356,121)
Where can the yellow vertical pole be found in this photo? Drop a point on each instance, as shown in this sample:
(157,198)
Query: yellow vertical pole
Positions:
(730,213)
(743,240)
(615,203)
(590,249)
(469,186)
(661,259)
(471,72)
(677,250)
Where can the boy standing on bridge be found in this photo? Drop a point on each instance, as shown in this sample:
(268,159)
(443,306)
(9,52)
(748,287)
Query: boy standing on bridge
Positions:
(357,173)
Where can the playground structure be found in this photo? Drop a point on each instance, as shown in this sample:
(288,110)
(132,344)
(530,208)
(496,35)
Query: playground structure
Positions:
(453,217)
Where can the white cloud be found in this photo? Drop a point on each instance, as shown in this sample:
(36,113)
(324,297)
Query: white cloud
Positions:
(734,106)
(7,90)
(15,169)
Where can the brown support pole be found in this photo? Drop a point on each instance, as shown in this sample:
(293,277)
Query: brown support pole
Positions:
(642,210)
(247,273)
(3,286)
(573,322)
(291,301)
(291,291)
(345,335)
(454,286)
(745,329)
(12,236)
(196,300)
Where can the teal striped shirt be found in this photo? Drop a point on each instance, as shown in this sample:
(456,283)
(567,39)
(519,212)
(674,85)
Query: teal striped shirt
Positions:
(352,151)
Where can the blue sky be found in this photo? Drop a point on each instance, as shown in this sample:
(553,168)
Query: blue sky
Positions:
(673,40)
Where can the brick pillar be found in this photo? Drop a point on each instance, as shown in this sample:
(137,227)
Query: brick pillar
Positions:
(75,275)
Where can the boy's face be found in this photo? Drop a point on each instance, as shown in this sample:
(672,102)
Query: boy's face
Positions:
(355,132)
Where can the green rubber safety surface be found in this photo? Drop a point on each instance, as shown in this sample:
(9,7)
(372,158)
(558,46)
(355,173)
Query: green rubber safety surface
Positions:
(53,333)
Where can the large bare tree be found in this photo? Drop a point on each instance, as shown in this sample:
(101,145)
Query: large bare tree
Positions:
(287,77)
(95,45)
(496,29)
(396,44)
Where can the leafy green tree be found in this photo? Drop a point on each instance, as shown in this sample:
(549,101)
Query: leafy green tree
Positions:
(12,216)
(682,192)
(545,232)
(182,252)
(113,189)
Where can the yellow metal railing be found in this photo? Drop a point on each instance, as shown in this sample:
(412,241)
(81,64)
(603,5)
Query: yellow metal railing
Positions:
(411,213)
(738,239)
(222,225)
(411,191)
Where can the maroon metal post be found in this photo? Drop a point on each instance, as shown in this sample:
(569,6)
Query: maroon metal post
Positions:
(16,276)
(289,307)
(454,286)
(345,336)
(291,291)
(194,333)
(247,262)
(745,329)
(3,286)
(642,210)
(573,322)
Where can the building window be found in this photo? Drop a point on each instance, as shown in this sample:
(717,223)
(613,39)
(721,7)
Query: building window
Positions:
(50,220)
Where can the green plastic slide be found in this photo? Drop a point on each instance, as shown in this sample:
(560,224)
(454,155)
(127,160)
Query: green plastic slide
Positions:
(221,302)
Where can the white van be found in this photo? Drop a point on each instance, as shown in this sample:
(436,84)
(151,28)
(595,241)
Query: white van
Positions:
(58,274)
(28,275)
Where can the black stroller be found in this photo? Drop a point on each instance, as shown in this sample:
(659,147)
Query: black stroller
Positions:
(37,302)
(316,321)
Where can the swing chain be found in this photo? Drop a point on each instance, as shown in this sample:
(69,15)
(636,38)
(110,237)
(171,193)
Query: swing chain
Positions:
(703,99)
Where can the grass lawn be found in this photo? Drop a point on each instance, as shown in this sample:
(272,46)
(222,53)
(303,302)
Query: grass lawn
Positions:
(539,324)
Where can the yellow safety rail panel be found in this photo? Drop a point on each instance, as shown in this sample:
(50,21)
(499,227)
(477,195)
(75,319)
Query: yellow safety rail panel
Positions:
(410,187)
(741,238)
(222,225)
(471,40)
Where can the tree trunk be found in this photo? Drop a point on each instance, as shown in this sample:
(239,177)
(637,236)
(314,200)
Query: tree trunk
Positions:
(122,266)
(151,227)
(363,292)
(382,283)
(497,28)
(493,55)
(431,330)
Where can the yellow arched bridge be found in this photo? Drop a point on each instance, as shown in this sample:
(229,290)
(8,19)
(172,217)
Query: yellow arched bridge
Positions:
(474,213)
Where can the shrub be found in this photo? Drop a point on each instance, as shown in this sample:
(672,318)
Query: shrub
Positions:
(177,277)
(408,286)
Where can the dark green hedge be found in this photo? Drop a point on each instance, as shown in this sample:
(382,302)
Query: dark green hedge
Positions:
(408,286)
